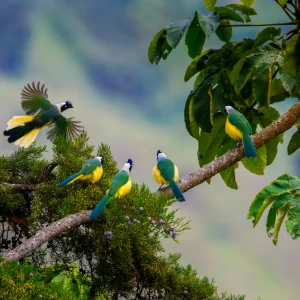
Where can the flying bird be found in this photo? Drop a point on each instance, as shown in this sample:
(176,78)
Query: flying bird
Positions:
(166,172)
(40,112)
(91,171)
(238,128)
(119,187)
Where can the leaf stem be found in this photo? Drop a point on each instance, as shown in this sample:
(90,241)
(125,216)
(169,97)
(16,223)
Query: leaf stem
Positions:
(266,24)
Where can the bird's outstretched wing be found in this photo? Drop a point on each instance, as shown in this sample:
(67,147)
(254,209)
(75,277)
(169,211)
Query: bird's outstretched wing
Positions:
(66,127)
(166,168)
(34,98)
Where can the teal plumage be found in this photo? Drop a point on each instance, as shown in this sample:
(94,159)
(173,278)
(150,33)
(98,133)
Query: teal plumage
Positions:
(119,187)
(238,127)
(40,112)
(91,171)
(165,172)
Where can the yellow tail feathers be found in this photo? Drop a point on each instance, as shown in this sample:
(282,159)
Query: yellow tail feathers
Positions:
(18,121)
(26,140)
(76,178)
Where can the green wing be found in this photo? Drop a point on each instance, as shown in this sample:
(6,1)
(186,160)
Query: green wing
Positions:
(34,98)
(240,121)
(90,166)
(118,181)
(166,168)
(66,127)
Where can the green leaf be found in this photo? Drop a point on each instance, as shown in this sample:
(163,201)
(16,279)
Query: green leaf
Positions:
(282,2)
(283,185)
(195,37)
(210,4)
(267,34)
(190,123)
(278,92)
(243,10)
(224,33)
(265,118)
(290,83)
(228,14)
(294,143)
(292,223)
(248,2)
(158,47)
(176,31)
(256,164)
(262,83)
(197,64)
(209,23)
(228,175)
(209,143)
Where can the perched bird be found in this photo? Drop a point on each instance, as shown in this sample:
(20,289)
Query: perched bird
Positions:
(166,172)
(119,187)
(23,130)
(238,128)
(91,171)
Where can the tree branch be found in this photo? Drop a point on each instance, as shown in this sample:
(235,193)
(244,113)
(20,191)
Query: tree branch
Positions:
(19,187)
(266,24)
(285,122)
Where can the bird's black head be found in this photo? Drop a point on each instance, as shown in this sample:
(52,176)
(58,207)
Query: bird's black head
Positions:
(66,105)
(102,159)
(130,162)
(158,151)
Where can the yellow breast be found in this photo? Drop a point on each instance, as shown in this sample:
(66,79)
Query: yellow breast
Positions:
(158,177)
(233,131)
(95,176)
(124,190)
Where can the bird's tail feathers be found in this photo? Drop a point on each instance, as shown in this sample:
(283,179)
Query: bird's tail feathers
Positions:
(71,179)
(249,147)
(176,191)
(18,121)
(20,132)
(99,207)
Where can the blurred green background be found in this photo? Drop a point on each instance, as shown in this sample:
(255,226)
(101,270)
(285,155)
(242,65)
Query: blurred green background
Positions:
(94,53)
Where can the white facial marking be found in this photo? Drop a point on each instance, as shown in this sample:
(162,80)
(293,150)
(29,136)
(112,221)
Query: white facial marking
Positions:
(99,158)
(126,167)
(161,155)
(228,108)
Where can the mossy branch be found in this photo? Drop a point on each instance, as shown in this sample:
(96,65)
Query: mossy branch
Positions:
(285,122)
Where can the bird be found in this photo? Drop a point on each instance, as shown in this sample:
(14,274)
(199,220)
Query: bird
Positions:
(91,171)
(40,112)
(166,172)
(238,128)
(119,187)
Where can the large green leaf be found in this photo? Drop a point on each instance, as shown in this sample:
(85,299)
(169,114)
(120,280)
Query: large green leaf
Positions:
(292,223)
(176,31)
(256,164)
(195,37)
(283,194)
(278,92)
(197,64)
(244,11)
(267,34)
(159,47)
(224,33)
(209,143)
(228,175)
(294,143)
(265,118)
(190,123)
(248,2)
(291,84)
(209,23)
(210,4)
(228,14)
(262,83)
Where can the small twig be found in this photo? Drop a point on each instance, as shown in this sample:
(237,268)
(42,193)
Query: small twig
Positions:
(266,24)
(287,33)
(286,12)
